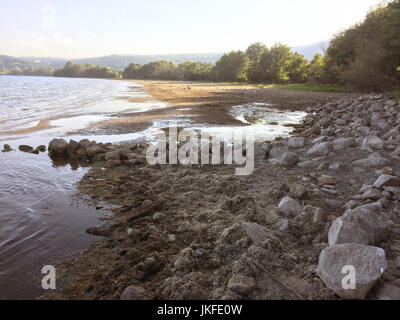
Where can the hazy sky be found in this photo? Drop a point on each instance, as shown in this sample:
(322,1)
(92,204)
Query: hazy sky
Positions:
(86,28)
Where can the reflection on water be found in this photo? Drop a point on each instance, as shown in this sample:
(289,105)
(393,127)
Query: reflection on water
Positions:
(40,220)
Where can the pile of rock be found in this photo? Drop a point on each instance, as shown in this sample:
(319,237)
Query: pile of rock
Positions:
(113,155)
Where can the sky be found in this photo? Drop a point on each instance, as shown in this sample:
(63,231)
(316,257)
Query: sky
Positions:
(89,28)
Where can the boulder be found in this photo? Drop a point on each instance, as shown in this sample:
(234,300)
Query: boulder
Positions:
(241,285)
(368,262)
(289,206)
(360,225)
(58,147)
(319,149)
(134,293)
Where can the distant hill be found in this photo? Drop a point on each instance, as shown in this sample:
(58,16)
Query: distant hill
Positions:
(9,63)
(309,51)
(122,61)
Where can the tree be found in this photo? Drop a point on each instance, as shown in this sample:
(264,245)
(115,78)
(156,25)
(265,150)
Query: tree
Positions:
(316,69)
(232,67)
(253,54)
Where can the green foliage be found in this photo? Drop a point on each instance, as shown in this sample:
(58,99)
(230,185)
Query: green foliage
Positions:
(367,55)
(232,67)
(73,70)
(316,69)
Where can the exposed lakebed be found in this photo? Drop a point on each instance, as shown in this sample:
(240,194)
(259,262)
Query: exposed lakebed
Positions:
(41,220)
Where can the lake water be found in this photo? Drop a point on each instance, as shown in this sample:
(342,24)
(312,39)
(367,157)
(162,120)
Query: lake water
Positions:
(41,221)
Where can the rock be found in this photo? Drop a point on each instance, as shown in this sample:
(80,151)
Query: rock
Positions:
(341,143)
(289,206)
(319,216)
(289,159)
(319,149)
(369,264)
(374,160)
(298,191)
(277,152)
(335,166)
(350,205)
(73,146)
(372,194)
(296,142)
(81,153)
(307,164)
(112,163)
(313,130)
(324,179)
(94,150)
(360,225)
(373,142)
(386,180)
(84,144)
(112,155)
(134,293)
(256,233)
(241,285)
(6,148)
(388,292)
(41,148)
(157,216)
(58,147)
(25,148)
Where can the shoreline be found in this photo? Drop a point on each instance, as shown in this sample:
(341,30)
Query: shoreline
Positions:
(184,232)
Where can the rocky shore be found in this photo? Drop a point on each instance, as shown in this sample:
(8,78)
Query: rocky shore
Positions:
(324,199)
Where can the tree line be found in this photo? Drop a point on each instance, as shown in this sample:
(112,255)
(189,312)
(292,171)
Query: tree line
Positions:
(366,57)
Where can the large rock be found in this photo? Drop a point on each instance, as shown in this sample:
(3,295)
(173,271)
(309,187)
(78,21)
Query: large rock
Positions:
(388,292)
(58,147)
(296,142)
(386,180)
(241,285)
(319,149)
(360,225)
(369,264)
(6,148)
(289,206)
(134,293)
